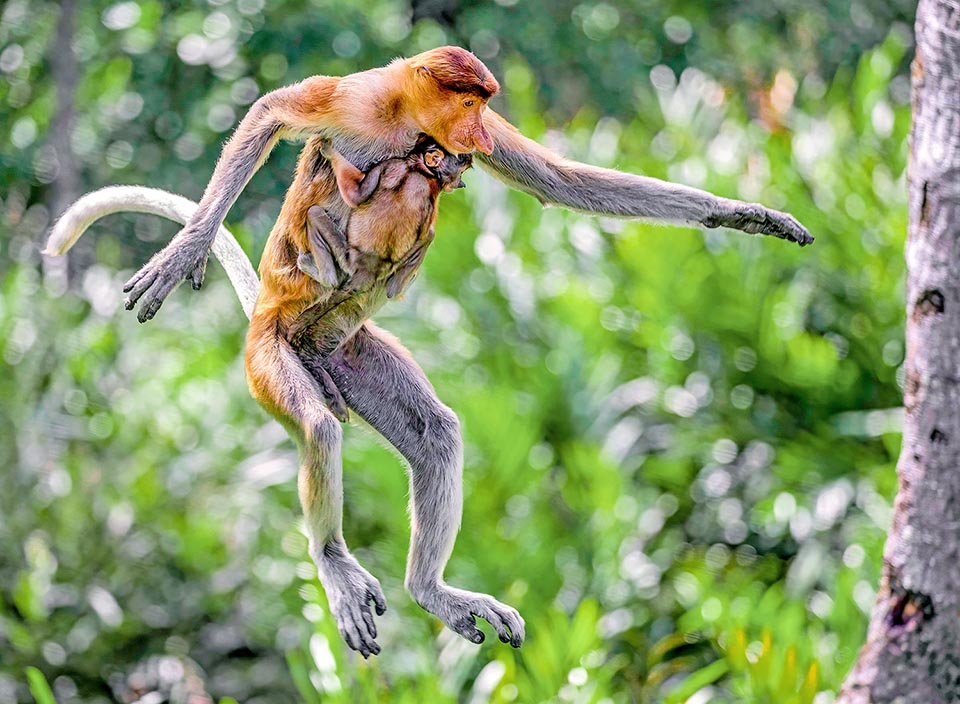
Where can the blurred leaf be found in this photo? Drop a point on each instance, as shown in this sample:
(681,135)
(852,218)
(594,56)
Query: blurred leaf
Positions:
(39,688)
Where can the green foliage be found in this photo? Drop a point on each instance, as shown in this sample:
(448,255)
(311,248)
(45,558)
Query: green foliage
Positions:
(680,445)
(38,687)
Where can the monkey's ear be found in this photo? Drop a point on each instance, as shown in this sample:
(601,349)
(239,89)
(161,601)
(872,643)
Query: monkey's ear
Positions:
(424,71)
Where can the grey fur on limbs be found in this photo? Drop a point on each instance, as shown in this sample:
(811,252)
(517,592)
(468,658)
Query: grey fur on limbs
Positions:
(382,384)
(393,395)
(299,407)
(554,180)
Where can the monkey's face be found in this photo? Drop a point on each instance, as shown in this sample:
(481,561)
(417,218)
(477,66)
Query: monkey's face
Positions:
(451,170)
(453,87)
(455,121)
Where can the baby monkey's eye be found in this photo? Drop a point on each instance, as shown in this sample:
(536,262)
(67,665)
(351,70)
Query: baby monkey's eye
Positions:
(468,103)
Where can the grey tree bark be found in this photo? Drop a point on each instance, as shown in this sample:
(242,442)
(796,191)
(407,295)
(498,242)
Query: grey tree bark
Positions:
(63,189)
(912,654)
(63,67)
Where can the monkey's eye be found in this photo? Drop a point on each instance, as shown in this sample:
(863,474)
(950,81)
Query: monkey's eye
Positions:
(468,103)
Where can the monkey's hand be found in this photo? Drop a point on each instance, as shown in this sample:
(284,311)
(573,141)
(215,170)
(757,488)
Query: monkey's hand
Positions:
(458,607)
(350,589)
(184,258)
(755,219)
(328,387)
(322,270)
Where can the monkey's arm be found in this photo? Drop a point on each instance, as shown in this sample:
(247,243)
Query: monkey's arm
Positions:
(532,168)
(328,259)
(355,186)
(296,111)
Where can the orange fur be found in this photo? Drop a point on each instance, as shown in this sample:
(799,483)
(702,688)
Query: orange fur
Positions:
(442,93)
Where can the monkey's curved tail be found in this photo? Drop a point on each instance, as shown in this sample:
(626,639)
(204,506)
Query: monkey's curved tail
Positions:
(140,199)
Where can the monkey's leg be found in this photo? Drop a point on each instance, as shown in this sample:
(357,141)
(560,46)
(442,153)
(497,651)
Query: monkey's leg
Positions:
(382,383)
(399,280)
(279,381)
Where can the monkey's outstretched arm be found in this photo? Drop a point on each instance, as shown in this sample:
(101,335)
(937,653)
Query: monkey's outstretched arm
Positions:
(530,167)
(296,111)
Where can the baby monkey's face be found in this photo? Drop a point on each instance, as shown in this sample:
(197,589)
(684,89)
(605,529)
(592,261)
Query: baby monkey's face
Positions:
(450,170)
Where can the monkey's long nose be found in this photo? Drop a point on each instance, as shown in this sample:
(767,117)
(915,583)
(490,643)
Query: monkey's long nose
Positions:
(483,141)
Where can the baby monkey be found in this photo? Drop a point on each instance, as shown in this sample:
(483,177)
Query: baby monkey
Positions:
(384,237)
(393,209)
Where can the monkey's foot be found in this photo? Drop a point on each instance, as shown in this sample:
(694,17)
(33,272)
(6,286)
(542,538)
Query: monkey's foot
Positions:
(458,607)
(328,389)
(758,220)
(350,589)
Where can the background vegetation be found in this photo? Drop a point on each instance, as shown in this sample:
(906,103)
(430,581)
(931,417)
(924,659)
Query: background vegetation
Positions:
(680,444)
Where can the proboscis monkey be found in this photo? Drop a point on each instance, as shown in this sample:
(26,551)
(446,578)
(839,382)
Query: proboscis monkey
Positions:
(371,116)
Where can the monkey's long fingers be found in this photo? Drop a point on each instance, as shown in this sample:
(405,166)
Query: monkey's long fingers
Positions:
(154,297)
(368,621)
(757,219)
(515,623)
(375,594)
(511,618)
(362,622)
(785,226)
(467,627)
(349,633)
(320,227)
(141,281)
(334,400)
(133,280)
(195,277)
(137,288)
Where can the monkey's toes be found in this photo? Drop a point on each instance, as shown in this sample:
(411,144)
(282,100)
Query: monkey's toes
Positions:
(357,629)
(506,621)
(350,591)
(195,277)
(339,410)
(458,608)
(153,298)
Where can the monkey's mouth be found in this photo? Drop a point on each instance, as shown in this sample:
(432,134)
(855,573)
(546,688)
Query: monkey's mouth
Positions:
(461,148)
(458,149)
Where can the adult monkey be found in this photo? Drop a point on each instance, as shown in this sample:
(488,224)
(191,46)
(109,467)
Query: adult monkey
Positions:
(371,116)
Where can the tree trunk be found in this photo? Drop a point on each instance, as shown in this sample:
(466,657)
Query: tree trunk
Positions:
(63,69)
(63,190)
(912,654)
